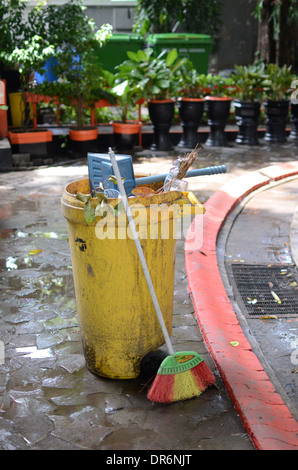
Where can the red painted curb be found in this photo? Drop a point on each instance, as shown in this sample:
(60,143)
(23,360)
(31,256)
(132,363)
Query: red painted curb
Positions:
(263,412)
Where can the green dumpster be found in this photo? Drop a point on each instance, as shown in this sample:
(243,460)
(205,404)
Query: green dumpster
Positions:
(113,52)
(195,47)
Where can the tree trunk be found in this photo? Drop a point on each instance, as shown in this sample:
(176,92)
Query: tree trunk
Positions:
(285,46)
(281,50)
(266,45)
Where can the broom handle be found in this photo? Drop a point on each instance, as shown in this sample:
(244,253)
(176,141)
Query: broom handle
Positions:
(140,252)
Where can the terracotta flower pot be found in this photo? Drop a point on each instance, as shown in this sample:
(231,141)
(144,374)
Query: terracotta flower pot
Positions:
(31,137)
(82,135)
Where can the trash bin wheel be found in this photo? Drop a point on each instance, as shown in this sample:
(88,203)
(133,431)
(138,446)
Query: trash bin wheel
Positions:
(151,362)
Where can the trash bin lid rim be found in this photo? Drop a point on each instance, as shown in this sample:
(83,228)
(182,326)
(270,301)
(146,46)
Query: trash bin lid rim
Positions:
(125,37)
(175,36)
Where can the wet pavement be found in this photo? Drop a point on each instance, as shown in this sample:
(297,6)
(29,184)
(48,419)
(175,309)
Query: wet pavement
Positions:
(48,398)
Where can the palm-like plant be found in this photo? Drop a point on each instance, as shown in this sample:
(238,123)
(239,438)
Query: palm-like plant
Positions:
(277,84)
(193,84)
(250,81)
(154,77)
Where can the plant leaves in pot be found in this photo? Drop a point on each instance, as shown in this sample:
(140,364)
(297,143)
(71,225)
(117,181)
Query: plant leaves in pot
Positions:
(126,130)
(249,81)
(190,104)
(218,104)
(156,79)
(277,88)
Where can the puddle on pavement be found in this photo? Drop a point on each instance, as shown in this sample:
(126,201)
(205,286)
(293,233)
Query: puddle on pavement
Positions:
(49,287)
(48,235)
(13,263)
(37,298)
(34,353)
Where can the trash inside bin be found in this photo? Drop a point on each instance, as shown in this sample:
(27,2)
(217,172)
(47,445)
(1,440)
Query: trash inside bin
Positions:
(117,318)
(195,47)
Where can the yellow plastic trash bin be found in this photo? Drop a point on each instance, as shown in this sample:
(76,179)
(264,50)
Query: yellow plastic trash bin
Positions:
(117,318)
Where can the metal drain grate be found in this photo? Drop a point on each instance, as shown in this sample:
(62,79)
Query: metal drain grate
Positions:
(267,290)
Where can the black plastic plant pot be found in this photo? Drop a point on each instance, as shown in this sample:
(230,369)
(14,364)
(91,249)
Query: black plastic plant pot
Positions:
(247,118)
(218,111)
(276,120)
(82,141)
(37,151)
(161,114)
(125,141)
(191,112)
(126,135)
(294,122)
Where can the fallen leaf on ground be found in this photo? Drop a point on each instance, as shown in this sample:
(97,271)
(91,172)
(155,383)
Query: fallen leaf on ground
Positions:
(275,296)
(34,252)
(269,317)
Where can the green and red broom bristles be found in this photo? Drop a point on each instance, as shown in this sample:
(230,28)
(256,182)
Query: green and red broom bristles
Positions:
(180,376)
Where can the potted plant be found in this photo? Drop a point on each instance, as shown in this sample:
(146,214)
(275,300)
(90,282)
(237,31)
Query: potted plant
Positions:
(249,81)
(277,88)
(218,104)
(127,94)
(81,82)
(23,48)
(156,79)
(190,103)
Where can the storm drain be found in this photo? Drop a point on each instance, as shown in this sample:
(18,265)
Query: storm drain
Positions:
(267,290)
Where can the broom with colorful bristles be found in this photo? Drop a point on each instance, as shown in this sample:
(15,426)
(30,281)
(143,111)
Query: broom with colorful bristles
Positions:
(181,375)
